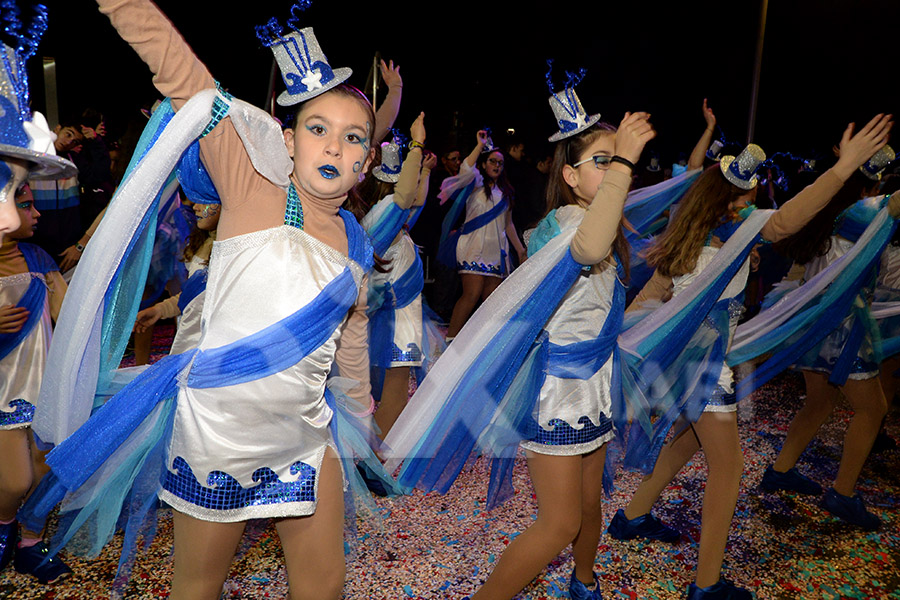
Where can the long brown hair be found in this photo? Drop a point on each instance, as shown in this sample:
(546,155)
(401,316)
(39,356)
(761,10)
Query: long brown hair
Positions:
(676,250)
(559,193)
(502,181)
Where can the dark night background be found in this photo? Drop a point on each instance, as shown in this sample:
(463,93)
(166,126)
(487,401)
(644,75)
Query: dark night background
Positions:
(825,63)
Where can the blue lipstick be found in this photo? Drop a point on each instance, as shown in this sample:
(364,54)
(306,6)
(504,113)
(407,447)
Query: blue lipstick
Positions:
(329,172)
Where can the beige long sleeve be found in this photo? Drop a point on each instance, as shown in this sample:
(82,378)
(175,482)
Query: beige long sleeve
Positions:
(658,288)
(408,182)
(352,354)
(799,210)
(56,293)
(597,232)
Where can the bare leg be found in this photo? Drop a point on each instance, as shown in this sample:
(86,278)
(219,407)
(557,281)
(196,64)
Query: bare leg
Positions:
(394,395)
(314,545)
(142,344)
(39,469)
(869,408)
(203,554)
(472,286)
(584,549)
(722,446)
(821,397)
(558,485)
(671,460)
(16,475)
(490,284)
(888,381)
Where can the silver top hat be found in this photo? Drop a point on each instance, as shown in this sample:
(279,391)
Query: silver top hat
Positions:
(875,165)
(389,169)
(715,150)
(25,135)
(741,170)
(303,65)
(567,109)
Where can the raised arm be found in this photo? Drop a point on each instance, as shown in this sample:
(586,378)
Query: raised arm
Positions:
(177,72)
(407,183)
(597,232)
(855,151)
(390,106)
(699,151)
(428,163)
(480,139)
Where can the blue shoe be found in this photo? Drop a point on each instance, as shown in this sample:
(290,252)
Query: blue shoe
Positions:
(35,561)
(721,590)
(9,535)
(791,481)
(852,510)
(579,591)
(646,526)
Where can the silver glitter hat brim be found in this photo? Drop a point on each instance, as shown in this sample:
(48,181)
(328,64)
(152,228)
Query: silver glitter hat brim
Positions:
(724,163)
(385,177)
(340,76)
(559,135)
(46,166)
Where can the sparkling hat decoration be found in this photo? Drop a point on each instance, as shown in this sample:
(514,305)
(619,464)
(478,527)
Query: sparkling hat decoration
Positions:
(488,142)
(391,159)
(741,170)
(570,114)
(303,65)
(879,161)
(715,150)
(24,134)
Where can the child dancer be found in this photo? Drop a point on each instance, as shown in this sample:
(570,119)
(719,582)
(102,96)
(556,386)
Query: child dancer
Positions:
(710,213)
(247,434)
(571,370)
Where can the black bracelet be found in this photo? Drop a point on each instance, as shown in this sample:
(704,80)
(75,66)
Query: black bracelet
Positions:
(624,161)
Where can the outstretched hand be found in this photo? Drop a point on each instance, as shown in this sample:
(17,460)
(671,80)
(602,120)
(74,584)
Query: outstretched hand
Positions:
(430,161)
(146,318)
(856,149)
(417,130)
(709,116)
(391,74)
(634,132)
(481,137)
(12,318)
(70,257)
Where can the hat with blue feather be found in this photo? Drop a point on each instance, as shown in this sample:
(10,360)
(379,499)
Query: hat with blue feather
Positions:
(741,169)
(391,159)
(303,65)
(570,114)
(23,134)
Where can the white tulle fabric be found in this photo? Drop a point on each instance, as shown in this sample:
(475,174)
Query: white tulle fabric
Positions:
(484,325)
(67,392)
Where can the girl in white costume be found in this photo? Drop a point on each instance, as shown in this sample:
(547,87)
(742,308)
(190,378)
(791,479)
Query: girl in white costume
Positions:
(250,436)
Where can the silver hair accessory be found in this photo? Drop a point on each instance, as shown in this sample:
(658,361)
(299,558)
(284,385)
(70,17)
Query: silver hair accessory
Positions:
(567,109)
(741,170)
(23,134)
(303,65)
(879,161)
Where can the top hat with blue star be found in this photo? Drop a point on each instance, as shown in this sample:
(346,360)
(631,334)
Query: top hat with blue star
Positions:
(391,160)
(879,161)
(303,65)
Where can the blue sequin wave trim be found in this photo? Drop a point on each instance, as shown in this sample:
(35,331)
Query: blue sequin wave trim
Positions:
(412,354)
(479,268)
(293,210)
(563,434)
(225,493)
(21,416)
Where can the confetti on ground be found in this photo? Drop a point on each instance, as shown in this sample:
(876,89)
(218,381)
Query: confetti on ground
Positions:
(782,546)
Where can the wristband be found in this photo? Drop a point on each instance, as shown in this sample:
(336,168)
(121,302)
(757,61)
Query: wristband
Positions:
(413,144)
(623,161)
(79,247)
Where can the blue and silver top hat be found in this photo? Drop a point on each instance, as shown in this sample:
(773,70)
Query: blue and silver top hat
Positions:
(879,161)
(715,150)
(741,170)
(391,160)
(22,134)
(567,109)
(303,65)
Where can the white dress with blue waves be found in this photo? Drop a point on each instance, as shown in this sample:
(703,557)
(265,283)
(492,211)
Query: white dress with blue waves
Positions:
(484,251)
(574,415)
(274,429)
